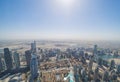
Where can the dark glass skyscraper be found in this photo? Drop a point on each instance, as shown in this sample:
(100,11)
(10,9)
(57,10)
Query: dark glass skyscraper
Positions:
(34,66)
(28,57)
(8,58)
(16,59)
(0,65)
(33,47)
(95,50)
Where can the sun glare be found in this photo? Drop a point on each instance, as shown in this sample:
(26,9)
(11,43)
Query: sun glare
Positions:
(65,7)
(66,3)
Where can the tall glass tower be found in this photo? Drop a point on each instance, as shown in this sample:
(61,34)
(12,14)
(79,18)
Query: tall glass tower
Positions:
(28,57)
(8,58)
(95,50)
(16,59)
(34,67)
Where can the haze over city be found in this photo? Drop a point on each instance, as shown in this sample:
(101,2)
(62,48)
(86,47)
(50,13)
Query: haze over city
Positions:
(59,40)
(60,19)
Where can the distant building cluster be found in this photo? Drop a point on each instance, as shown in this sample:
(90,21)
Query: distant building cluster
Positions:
(11,61)
(72,64)
(88,67)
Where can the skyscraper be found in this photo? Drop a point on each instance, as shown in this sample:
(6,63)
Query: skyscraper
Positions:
(16,59)
(0,65)
(33,47)
(96,73)
(8,58)
(95,50)
(3,64)
(28,57)
(106,76)
(90,64)
(34,66)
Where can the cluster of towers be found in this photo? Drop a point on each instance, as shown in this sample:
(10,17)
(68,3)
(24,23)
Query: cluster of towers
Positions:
(32,61)
(9,59)
(12,60)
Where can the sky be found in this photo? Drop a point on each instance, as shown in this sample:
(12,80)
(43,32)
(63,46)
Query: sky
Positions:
(60,19)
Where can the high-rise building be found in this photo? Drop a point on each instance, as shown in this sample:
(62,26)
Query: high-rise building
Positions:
(8,58)
(90,64)
(16,59)
(95,50)
(118,69)
(0,65)
(33,47)
(28,57)
(106,76)
(34,66)
(3,64)
(96,73)
(84,75)
(112,65)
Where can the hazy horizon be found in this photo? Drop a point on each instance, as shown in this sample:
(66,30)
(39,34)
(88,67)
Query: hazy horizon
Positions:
(60,20)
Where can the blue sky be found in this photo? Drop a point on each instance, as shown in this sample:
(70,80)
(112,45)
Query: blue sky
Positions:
(60,19)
